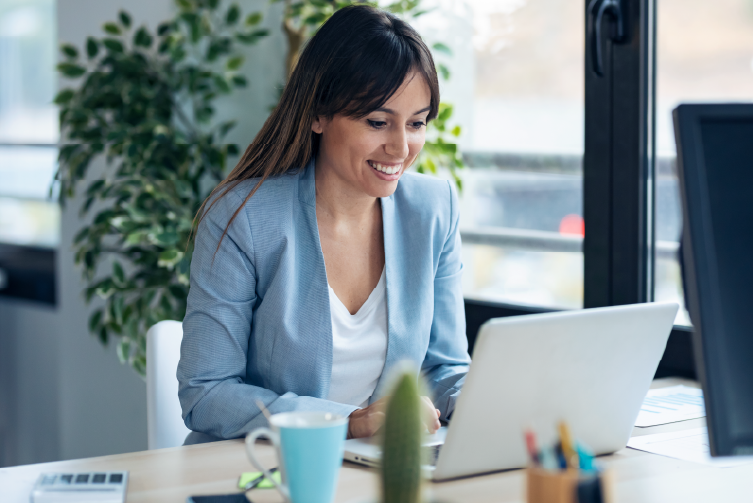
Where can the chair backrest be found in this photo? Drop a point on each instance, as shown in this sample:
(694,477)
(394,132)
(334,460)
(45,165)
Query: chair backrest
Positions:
(165,425)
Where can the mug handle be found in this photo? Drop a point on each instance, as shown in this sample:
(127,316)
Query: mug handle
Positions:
(251,445)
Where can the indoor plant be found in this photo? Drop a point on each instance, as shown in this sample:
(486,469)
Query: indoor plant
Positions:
(146,104)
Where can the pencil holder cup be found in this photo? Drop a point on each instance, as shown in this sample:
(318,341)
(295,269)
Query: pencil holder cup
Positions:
(568,486)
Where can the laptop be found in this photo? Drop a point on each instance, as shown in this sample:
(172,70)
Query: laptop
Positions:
(591,368)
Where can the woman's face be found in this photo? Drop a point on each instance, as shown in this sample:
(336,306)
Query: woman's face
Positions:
(370,154)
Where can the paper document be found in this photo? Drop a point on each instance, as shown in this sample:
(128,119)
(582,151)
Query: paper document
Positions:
(687,445)
(669,405)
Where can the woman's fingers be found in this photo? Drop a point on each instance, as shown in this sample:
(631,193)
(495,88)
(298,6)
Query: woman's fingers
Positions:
(430,415)
(367,421)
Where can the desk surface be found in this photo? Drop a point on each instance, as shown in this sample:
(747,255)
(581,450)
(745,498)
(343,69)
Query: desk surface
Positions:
(171,475)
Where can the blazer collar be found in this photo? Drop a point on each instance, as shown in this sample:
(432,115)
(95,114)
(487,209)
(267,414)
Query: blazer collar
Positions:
(307,196)
(307,183)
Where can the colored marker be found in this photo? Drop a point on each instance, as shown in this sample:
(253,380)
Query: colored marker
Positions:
(571,456)
(586,457)
(531,446)
(548,460)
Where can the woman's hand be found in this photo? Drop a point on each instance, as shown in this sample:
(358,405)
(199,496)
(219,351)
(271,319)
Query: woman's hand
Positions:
(367,421)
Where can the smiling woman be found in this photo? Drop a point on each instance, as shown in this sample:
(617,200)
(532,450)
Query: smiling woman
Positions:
(319,262)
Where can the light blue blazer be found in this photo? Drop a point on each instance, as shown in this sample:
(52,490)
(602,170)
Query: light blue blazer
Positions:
(258,325)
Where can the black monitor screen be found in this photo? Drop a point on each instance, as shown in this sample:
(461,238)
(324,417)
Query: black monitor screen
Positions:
(718,200)
(728,155)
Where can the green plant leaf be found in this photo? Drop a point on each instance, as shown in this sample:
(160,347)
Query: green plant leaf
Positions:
(142,38)
(69,51)
(125,19)
(71,70)
(112,45)
(64,96)
(443,48)
(185,4)
(92,47)
(164,28)
(112,28)
(233,14)
(240,81)
(117,272)
(443,71)
(234,63)
(252,37)
(95,320)
(124,350)
(253,19)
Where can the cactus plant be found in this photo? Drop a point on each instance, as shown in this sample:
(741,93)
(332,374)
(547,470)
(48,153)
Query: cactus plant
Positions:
(402,479)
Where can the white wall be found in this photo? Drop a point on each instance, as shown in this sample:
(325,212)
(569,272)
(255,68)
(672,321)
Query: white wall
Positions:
(63,395)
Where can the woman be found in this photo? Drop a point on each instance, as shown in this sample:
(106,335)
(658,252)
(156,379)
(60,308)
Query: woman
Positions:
(319,263)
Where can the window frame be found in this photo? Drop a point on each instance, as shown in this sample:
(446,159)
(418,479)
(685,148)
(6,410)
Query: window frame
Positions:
(28,272)
(618,183)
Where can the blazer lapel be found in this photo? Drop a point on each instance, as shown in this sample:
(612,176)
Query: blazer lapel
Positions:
(392,277)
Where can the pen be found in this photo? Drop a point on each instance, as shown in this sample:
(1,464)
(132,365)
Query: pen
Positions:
(548,461)
(531,445)
(585,457)
(571,457)
(258,480)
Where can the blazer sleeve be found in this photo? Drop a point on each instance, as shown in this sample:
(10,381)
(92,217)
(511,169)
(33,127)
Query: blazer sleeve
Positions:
(447,361)
(213,394)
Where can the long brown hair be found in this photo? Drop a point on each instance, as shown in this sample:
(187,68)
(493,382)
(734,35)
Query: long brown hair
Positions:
(352,66)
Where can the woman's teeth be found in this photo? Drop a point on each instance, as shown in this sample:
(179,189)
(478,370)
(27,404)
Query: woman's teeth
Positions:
(390,170)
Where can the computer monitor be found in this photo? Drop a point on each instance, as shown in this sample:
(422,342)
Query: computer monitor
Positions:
(715,165)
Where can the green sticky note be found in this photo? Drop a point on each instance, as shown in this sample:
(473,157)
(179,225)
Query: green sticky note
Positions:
(265,484)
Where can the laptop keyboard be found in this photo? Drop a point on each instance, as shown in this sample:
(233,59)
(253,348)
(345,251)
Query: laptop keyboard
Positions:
(432,453)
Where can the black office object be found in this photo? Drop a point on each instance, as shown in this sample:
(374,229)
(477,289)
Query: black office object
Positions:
(219,498)
(715,166)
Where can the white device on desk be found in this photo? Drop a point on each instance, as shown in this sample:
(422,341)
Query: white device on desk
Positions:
(100,487)
(590,368)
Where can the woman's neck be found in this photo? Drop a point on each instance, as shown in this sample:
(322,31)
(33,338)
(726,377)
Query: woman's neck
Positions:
(340,200)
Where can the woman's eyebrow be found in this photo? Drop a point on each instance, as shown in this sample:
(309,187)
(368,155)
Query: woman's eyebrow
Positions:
(392,112)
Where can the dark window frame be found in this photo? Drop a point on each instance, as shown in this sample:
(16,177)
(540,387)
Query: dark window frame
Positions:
(618,182)
(28,272)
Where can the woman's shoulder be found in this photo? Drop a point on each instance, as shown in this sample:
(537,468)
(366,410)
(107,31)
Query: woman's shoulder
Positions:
(273,190)
(426,194)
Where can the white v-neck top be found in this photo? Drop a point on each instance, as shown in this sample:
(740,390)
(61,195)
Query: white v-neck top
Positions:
(359,347)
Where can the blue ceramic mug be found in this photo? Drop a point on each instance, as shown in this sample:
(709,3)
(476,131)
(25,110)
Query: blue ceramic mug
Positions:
(310,449)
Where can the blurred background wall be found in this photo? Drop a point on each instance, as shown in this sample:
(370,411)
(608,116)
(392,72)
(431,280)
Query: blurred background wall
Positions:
(63,395)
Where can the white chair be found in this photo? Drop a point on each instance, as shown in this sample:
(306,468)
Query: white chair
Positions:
(165,426)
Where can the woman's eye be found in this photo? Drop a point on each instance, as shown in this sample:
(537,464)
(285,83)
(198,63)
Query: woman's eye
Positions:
(376,124)
(418,125)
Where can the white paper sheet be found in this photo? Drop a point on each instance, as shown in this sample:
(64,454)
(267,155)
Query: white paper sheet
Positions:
(688,445)
(669,405)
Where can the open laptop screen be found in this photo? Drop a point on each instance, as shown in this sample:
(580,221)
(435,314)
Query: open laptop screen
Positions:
(715,160)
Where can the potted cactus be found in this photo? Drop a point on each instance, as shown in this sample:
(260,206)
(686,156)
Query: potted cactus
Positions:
(402,479)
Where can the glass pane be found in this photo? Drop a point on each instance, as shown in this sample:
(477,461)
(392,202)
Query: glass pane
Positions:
(517,87)
(704,53)
(29,222)
(27,72)
(27,172)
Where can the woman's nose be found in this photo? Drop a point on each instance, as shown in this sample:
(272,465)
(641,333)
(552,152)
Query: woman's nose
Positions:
(398,145)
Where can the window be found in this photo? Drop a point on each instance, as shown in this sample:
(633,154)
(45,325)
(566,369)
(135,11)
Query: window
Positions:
(28,122)
(29,219)
(517,87)
(704,54)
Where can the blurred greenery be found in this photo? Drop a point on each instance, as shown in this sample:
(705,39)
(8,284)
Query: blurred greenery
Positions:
(146,102)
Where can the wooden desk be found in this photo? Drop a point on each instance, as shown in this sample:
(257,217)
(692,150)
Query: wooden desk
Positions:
(171,475)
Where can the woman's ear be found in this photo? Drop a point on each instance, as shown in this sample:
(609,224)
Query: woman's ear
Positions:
(316,125)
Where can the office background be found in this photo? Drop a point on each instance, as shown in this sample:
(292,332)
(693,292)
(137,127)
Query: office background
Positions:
(545,147)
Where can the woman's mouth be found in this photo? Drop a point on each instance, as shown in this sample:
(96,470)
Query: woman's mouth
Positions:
(387,169)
